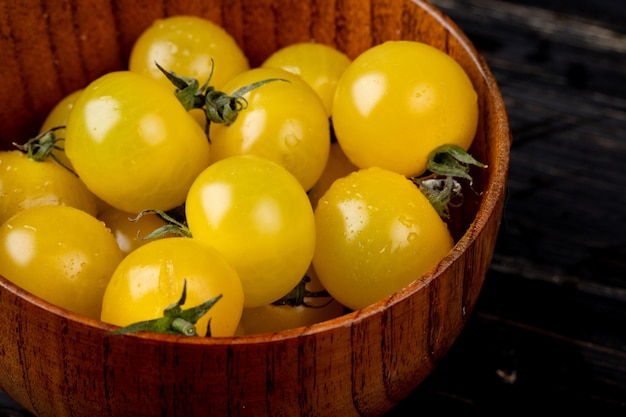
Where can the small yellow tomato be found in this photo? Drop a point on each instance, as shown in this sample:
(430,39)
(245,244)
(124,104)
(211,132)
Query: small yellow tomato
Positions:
(315,306)
(376,233)
(152,277)
(133,143)
(274,318)
(60,254)
(283,121)
(400,100)
(257,214)
(191,47)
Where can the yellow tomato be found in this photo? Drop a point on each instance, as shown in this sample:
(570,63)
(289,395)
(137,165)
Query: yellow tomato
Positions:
(257,214)
(60,254)
(284,121)
(399,101)
(291,314)
(133,143)
(376,233)
(151,278)
(190,46)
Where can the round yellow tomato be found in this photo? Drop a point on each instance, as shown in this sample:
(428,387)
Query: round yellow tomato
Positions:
(284,121)
(400,100)
(191,47)
(376,233)
(152,277)
(133,143)
(60,254)
(257,214)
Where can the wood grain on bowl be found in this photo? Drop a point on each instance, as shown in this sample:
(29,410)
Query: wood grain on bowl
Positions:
(56,363)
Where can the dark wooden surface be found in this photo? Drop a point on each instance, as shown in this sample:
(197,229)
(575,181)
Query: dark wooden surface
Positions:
(549,331)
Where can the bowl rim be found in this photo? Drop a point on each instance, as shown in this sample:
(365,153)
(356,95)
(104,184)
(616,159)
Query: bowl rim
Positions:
(488,204)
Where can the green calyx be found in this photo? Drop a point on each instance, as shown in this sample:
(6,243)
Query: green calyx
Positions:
(173,227)
(447,164)
(218,106)
(298,295)
(42,146)
(175,320)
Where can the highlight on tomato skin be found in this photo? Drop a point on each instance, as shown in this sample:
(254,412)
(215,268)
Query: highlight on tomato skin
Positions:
(60,254)
(375,233)
(133,144)
(400,100)
(152,277)
(259,217)
(190,46)
(283,121)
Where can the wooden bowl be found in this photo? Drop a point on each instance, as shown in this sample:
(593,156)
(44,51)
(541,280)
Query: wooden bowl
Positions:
(56,363)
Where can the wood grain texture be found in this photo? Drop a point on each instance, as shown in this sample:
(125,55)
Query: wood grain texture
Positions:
(547,332)
(362,364)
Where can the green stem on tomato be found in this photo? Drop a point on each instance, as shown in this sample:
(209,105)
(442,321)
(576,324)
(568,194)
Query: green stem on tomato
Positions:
(446,164)
(172,226)
(42,146)
(298,295)
(218,106)
(175,319)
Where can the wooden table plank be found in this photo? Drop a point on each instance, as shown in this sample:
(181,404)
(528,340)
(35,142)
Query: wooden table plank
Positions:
(548,332)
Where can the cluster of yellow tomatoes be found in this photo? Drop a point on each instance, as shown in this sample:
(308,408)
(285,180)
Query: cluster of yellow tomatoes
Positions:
(288,190)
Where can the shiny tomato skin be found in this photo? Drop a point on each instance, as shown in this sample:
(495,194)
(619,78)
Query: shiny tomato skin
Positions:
(27,183)
(257,214)
(152,277)
(284,121)
(400,100)
(60,254)
(133,144)
(317,64)
(376,233)
(185,45)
